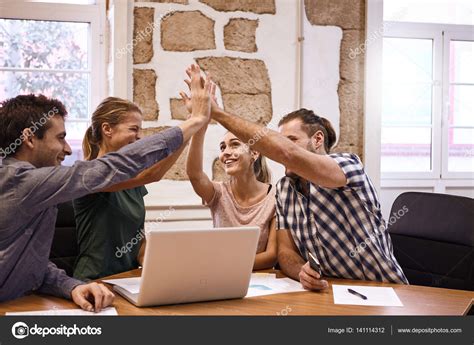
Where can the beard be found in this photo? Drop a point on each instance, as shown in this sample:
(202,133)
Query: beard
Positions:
(310,147)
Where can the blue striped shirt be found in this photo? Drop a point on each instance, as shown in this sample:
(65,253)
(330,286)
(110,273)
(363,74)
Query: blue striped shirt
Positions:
(342,227)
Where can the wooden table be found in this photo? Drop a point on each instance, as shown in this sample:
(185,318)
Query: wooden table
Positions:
(417,300)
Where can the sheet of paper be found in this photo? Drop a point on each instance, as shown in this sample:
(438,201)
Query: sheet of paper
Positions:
(132,285)
(67,312)
(267,284)
(376,296)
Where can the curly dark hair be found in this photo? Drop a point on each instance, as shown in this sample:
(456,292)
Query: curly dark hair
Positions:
(311,124)
(26,111)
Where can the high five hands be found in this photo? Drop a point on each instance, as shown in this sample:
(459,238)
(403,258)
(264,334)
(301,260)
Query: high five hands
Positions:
(196,84)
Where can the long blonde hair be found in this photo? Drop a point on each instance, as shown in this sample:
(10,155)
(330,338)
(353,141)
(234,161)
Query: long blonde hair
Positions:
(113,111)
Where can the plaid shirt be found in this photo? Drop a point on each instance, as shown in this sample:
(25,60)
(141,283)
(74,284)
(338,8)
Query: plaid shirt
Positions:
(342,227)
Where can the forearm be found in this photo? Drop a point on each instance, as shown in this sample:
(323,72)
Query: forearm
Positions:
(290,263)
(264,260)
(150,175)
(319,169)
(54,185)
(201,183)
(57,283)
(191,126)
(266,141)
(194,167)
(156,172)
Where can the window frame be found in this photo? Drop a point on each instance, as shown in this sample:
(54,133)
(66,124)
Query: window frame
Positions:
(440,34)
(460,34)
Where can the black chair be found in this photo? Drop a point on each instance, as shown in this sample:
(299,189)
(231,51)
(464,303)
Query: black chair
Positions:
(64,249)
(433,239)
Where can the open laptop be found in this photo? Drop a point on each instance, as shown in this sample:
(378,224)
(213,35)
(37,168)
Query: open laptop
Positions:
(182,266)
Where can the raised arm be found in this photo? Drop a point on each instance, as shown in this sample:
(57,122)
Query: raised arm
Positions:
(45,187)
(319,169)
(201,109)
(49,186)
(150,175)
(201,183)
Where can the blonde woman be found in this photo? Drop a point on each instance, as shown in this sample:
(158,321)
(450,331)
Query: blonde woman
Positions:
(110,223)
(247,198)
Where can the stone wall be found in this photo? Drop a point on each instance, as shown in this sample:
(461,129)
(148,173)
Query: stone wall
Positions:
(244,83)
(250,47)
(350,17)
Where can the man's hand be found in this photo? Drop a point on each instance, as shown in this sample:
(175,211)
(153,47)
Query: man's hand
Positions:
(92,296)
(310,279)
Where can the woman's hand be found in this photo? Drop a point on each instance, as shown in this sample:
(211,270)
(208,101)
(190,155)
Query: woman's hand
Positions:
(188,100)
(200,94)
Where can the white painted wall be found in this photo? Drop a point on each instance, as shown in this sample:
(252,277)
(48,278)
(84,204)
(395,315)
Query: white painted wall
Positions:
(277,42)
(320,70)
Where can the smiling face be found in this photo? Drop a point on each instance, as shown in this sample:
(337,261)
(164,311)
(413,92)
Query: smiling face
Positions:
(53,147)
(235,156)
(126,132)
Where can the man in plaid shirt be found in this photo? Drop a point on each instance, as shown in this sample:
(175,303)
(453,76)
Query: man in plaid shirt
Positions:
(326,203)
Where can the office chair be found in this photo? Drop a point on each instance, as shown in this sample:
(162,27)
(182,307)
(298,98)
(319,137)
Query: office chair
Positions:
(64,249)
(433,239)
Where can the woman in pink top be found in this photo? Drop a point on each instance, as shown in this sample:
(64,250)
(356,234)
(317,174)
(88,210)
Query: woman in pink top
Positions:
(247,198)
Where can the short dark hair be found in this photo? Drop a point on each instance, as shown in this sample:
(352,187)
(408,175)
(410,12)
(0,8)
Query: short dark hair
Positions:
(26,111)
(311,124)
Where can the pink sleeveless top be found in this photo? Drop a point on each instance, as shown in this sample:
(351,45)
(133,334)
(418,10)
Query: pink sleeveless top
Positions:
(226,212)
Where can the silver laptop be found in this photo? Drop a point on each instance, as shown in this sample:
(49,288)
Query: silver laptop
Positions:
(182,266)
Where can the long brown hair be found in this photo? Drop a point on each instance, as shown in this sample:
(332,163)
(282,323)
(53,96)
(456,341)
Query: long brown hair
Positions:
(113,111)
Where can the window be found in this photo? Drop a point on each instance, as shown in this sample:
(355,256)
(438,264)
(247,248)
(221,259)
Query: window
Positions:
(457,12)
(55,51)
(459,106)
(407,122)
(428,101)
